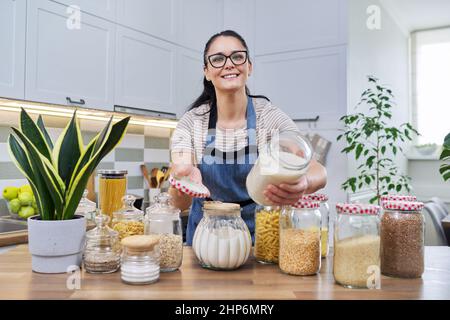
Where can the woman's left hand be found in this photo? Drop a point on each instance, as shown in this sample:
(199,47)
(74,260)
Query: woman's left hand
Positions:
(286,194)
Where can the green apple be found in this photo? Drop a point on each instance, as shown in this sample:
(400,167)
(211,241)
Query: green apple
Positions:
(26,188)
(14,205)
(34,204)
(26,198)
(10,193)
(26,212)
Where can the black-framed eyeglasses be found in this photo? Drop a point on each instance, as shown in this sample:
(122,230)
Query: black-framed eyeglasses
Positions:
(218,60)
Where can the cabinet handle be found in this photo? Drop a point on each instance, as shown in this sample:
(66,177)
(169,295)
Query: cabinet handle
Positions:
(80,102)
(307,119)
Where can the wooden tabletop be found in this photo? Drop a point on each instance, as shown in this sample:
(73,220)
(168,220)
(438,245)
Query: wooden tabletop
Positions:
(252,281)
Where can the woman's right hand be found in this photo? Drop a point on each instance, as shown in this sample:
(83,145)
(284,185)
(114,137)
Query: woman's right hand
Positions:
(186,170)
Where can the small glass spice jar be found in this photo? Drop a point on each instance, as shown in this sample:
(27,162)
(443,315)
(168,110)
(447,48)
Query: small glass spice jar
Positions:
(128,221)
(300,239)
(222,240)
(164,220)
(356,244)
(140,259)
(267,234)
(102,250)
(325,215)
(86,207)
(402,239)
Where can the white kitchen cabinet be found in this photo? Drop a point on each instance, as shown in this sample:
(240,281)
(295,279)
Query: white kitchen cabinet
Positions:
(155,17)
(145,68)
(101,8)
(288,25)
(189,77)
(306,83)
(198,21)
(64,62)
(12,48)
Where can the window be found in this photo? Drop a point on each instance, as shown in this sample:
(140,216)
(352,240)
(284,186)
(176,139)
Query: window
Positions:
(431,84)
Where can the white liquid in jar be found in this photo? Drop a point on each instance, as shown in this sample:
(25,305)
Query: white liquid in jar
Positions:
(268,170)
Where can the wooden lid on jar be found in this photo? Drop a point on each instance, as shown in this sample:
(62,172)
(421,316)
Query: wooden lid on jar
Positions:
(140,242)
(221,208)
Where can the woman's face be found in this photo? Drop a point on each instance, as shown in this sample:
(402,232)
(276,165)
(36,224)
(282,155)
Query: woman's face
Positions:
(229,77)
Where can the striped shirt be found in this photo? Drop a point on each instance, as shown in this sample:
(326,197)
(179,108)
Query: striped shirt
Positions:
(192,129)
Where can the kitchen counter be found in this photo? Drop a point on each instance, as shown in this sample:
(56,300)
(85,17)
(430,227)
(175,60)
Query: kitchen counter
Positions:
(252,281)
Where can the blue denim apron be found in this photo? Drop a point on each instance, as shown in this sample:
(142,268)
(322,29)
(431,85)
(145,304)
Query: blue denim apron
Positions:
(224,174)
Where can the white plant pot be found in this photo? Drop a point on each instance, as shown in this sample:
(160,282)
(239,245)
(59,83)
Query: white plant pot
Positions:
(56,245)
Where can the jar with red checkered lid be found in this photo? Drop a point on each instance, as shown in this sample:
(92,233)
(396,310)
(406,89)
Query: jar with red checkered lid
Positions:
(300,238)
(325,215)
(356,245)
(402,239)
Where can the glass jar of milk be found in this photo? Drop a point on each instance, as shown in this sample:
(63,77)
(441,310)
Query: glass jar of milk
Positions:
(283,160)
(222,240)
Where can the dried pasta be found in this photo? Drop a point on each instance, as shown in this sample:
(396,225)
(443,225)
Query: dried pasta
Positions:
(267,236)
(111,192)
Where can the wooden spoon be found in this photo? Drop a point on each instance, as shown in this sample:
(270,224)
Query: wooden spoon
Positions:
(154,177)
(145,175)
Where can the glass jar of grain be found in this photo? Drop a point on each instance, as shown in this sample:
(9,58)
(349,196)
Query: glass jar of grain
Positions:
(356,245)
(112,187)
(128,221)
(325,215)
(300,239)
(402,239)
(164,220)
(102,250)
(267,231)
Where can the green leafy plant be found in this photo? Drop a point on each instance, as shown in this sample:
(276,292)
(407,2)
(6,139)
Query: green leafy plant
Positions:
(58,174)
(369,138)
(445,156)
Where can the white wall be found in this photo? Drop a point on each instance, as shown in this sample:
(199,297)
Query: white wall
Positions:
(383,53)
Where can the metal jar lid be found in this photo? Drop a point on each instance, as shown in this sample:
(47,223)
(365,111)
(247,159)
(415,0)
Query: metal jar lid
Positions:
(112,173)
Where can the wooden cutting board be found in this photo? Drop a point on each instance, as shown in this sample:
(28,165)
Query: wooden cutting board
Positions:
(10,238)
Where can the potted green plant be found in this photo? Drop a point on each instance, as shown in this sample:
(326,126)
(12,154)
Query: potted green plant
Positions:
(369,137)
(58,175)
(445,156)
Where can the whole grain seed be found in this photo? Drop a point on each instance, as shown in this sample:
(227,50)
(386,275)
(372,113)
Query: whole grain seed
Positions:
(171,246)
(299,251)
(402,241)
(353,257)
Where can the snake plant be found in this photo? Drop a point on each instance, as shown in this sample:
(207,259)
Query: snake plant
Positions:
(58,173)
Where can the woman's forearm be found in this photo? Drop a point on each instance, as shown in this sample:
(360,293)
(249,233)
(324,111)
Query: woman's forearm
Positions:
(180,200)
(317,177)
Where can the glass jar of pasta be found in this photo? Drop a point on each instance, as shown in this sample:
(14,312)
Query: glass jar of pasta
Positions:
(300,239)
(356,245)
(128,221)
(112,186)
(325,215)
(267,230)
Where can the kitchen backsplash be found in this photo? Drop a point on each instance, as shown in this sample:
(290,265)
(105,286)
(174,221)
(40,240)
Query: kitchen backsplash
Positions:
(141,144)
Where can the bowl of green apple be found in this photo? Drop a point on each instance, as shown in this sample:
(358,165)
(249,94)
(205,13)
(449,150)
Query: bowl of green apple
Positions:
(21,202)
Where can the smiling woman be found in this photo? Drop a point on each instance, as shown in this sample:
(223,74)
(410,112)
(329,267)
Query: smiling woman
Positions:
(218,140)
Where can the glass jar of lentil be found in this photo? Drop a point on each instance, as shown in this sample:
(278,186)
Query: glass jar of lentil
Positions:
(325,215)
(402,239)
(267,228)
(300,239)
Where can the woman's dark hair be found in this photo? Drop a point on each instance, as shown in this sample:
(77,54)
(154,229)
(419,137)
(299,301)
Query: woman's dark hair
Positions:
(209,93)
